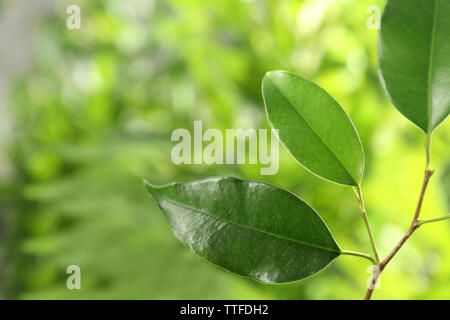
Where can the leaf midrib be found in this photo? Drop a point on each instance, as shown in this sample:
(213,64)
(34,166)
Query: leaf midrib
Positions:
(430,65)
(316,133)
(247,227)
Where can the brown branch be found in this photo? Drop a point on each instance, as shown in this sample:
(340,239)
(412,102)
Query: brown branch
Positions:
(413,227)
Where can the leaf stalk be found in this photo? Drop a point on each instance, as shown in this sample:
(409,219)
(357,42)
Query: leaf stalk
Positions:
(359,254)
(366,222)
(421,222)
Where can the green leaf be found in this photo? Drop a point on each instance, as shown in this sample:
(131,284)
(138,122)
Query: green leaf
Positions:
(414,59)
(313,127)
(251,228)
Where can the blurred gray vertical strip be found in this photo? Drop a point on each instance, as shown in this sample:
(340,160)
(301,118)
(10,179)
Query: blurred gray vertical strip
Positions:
(16,21)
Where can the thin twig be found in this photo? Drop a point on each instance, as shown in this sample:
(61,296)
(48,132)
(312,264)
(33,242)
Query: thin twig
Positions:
(415,222)
(413,227)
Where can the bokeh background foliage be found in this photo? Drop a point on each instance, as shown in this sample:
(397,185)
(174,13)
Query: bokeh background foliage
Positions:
(94,111)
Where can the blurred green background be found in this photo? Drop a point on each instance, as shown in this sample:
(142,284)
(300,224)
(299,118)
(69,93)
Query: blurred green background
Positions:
(86,113)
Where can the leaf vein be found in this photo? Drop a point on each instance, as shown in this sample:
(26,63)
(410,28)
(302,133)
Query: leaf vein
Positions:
(430,65)
(247,227)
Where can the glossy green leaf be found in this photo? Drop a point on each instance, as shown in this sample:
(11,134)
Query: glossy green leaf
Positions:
(313,127)
(414,59)
(250,228)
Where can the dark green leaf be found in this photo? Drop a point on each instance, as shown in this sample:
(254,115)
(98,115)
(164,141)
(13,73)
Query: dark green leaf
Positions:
(250,228)
(414,59)
(313,127)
